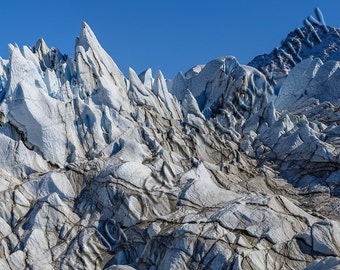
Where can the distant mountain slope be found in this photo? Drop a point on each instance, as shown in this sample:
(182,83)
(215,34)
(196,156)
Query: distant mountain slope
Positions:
(303,43)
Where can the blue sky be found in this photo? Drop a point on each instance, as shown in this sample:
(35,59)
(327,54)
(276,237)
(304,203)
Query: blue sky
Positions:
(168,35)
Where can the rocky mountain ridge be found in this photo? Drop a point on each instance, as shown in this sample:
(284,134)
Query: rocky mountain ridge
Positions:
(215,169)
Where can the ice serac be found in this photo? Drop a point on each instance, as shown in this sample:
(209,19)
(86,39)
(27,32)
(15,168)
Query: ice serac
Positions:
(97,71)
(226,91)
(29,107)
(156,95)
(319,82)
(146,78)
(212,170)
(293,89)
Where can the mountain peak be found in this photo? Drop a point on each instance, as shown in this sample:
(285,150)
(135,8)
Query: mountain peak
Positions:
(94,59)
(87,37)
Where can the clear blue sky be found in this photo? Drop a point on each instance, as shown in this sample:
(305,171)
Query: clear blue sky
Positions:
(168,35)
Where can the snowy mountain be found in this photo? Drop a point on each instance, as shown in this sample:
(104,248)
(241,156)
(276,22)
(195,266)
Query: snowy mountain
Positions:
(227,166)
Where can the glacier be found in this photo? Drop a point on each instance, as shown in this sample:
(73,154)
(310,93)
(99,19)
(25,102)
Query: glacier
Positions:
(226,166)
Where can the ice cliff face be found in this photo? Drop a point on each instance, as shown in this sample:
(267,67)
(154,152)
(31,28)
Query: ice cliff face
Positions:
(219,168)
